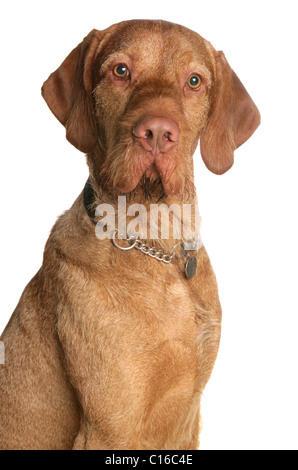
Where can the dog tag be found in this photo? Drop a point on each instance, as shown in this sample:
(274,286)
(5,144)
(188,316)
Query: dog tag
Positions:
(191,267)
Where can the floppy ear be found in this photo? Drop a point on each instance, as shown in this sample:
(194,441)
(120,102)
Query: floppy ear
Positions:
(68,93)
(233,119)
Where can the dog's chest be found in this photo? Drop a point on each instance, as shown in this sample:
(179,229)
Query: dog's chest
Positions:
(150,359)
(146,341)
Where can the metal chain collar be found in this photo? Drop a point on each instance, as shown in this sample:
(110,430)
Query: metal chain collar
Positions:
(149,250)
(145,248)
(190,267)
(153,252)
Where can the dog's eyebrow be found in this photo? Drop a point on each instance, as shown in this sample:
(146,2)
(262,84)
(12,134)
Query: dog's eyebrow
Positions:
(198,67)
(115,57)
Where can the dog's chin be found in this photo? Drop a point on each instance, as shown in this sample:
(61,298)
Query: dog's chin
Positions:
(153,183)
(149,185)
(129,168)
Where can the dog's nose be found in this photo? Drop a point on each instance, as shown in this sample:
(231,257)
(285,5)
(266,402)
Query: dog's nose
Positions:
(157,134)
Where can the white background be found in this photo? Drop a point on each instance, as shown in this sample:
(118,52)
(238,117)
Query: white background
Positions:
(249,214)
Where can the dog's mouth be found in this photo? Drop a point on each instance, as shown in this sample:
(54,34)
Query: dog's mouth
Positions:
(150,185)
(154,178)
(129,167)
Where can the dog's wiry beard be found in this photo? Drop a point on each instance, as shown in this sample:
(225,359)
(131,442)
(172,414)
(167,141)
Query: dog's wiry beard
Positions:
(128,167)
(124,167)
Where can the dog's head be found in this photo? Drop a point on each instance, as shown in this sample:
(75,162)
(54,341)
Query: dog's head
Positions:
(137,98)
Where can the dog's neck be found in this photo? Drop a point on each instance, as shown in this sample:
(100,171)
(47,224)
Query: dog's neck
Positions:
(146,213)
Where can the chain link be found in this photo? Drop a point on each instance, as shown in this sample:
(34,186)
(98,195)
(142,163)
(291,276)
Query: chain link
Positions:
(153,252)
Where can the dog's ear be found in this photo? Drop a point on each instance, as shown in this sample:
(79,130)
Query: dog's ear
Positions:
(68,93)
(233,119)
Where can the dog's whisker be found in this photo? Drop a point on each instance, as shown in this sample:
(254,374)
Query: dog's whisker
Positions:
(162,197)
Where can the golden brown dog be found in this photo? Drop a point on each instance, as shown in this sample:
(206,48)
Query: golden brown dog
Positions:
(111,349)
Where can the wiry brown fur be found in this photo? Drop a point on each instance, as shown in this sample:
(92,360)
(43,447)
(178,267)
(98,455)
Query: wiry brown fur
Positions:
(112,350)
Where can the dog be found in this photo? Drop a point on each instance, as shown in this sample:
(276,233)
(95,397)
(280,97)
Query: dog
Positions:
(114,339)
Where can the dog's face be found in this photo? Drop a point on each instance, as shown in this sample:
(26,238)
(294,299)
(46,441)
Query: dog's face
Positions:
(165,89)
(138,96)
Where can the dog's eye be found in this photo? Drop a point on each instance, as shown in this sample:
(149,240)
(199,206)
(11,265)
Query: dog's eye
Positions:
(194,81)
(121,71)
